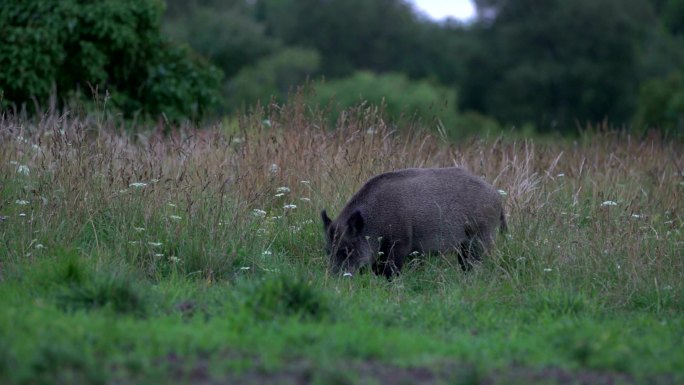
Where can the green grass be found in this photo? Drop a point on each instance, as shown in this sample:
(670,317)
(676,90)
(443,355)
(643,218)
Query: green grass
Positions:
(181,280)
(62,323)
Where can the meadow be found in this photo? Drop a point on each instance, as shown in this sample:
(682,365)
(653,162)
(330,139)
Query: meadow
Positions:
(174,255)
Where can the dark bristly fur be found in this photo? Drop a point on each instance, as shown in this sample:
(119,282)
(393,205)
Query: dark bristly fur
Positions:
(414,210)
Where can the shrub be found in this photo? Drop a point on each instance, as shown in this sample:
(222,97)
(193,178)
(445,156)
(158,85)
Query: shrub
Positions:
(661,104)
(396,92)
(271,76)
(116,47)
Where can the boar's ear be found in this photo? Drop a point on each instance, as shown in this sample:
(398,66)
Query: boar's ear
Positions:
(355,223)
(326,220)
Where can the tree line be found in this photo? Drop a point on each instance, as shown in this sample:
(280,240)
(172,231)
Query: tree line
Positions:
(550,66)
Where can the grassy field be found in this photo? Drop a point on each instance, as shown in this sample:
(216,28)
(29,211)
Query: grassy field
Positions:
(198,257)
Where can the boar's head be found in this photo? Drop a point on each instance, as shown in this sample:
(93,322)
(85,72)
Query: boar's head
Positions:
(346,246)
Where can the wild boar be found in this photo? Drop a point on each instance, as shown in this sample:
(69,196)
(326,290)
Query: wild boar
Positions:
(416,210)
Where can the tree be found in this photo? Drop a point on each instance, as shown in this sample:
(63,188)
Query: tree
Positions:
(229,37)
(113,46)
(555,62)
(349,34)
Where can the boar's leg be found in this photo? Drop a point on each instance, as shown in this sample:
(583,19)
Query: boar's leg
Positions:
(471,250)
(468,253)
(390,259)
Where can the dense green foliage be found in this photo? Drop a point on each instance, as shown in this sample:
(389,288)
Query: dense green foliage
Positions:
(554,65)
(272,76)
(662,103)
(112,49)
(552,62)
(395,92)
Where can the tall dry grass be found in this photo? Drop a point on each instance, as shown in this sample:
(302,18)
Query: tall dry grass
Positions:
(602,213)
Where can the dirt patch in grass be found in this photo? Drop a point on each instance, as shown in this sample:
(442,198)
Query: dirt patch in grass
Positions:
(304,372)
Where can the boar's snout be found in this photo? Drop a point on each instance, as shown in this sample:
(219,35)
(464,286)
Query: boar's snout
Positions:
(346,245)
(341,261)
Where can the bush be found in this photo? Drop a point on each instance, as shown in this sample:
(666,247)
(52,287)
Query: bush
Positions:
(110,46)
(272,76)
(661,104)
(399,95)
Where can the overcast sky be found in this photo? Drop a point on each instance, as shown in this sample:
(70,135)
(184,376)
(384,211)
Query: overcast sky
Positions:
(440,9)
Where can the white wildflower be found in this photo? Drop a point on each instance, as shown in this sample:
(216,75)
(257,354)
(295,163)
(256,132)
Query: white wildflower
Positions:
(503,193)
(283,189)
(290,207)
(175,217)
(139,229)
(14,162)
(259,213)
(22,215)
(295,229)
(133,242)
(171,204)
(371,131)
(273,169)
(609,203)
(547,269)
(137,184)
(347,274)
(155,244)
(174,259)
(305,181)
(267,252)
(39,246)
(245,268)
(154,180)
(158,255)
(35,147)
(560,175)
(237,140)
(308,222)
(304,199)
(21,202)
(23,169)
(278,195)
(123,191)
(637,216)
(266,122)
